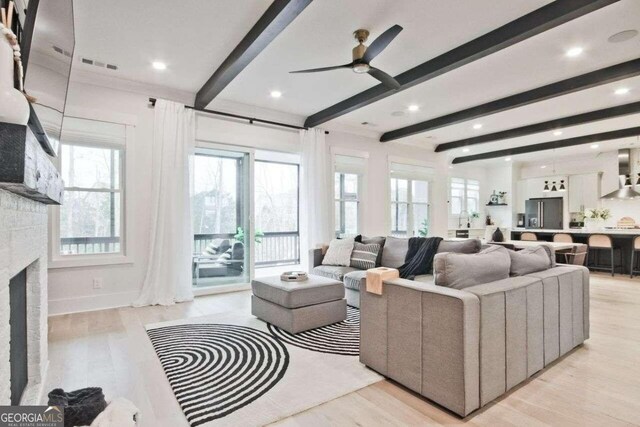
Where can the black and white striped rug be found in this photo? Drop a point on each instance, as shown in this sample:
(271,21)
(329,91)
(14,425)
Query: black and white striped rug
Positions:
(215,369)
(340,338)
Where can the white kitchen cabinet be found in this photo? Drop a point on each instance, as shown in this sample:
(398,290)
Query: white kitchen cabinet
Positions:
(576,193)
(584,191)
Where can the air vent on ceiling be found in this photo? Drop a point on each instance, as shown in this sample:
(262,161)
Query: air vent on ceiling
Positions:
(99,64)
(61,51)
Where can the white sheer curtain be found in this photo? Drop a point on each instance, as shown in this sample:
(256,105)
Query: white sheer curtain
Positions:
(168,277)
(316,212)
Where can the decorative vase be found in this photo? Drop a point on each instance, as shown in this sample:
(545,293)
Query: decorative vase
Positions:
(593,224)
(497,235)
(14,107)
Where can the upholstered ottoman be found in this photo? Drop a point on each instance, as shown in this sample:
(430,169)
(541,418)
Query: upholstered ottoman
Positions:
(298,306)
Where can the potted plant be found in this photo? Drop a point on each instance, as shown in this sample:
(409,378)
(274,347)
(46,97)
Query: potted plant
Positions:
(423,231)
(240,237)
(594,218)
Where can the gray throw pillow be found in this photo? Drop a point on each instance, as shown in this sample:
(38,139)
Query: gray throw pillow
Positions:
(459,271)
(364,256)
(469,246)
(394,251)
(377,240)
(530,260)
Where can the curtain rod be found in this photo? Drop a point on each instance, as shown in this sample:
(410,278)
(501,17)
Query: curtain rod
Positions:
(251,120)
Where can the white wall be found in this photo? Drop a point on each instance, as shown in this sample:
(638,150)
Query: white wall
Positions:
(71,289)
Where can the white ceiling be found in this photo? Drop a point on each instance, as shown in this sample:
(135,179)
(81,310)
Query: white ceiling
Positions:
(194,39)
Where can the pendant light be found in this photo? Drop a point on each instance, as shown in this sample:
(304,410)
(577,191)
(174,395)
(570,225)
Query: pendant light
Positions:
(562,187)
(553,186)
(546,186)
(638,181)
(627,180)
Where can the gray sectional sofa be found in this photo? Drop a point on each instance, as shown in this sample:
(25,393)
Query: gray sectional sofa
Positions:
(463,348)
(393,256)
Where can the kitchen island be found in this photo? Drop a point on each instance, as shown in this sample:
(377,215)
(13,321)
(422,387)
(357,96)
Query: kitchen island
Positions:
(622,239)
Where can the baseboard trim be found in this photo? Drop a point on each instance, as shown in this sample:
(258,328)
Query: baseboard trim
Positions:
(90,303)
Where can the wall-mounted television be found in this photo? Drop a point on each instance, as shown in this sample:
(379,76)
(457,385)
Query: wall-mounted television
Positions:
(47,45)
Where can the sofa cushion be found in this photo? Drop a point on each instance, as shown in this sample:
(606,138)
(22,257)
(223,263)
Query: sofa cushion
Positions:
(378,240)
(530,260)
(335,272)
(424,278)
(364,255)
(469,246)
(339,252)
(394,251)
(460,271)
(352,280)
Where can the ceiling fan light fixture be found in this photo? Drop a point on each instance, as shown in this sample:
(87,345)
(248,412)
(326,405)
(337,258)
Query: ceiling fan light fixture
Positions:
(361,68)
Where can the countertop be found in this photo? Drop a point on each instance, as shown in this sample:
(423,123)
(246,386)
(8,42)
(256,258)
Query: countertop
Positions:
(630,232)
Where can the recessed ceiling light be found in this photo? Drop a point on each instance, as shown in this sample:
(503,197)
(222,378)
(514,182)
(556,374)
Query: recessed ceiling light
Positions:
(574,51)
(557,133)
(413,107)
(543,166)
(623,36)
(594,146)
(465,150)
(276,94)
(158,65)
(477,126)
(450,167)
(507,159)
(621,91)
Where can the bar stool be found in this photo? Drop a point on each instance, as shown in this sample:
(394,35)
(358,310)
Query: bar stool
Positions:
(635,249)
(602,242)
(577,255)
(528,236)
(561,255)
(563,238)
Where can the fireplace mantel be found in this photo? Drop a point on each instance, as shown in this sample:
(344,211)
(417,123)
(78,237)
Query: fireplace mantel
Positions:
(25,168)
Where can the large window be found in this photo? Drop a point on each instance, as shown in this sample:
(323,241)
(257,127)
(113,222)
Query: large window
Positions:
(348,182)
(410,212)
(409,207)
(91,163)
(346,203)
(464,196)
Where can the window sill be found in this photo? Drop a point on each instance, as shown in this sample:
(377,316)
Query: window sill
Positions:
(74,261)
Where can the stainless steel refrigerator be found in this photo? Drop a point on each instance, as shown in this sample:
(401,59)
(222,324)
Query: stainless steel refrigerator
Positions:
(544,213)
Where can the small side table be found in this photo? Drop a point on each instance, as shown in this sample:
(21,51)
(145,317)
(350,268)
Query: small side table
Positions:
(376,276)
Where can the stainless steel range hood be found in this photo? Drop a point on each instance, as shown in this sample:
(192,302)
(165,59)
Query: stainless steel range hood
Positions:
(625,190)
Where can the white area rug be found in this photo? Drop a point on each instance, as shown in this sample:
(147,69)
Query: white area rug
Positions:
(230,369)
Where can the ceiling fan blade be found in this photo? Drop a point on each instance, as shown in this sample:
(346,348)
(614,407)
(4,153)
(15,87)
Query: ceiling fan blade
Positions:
(379,44)
(385,78)
(315,70)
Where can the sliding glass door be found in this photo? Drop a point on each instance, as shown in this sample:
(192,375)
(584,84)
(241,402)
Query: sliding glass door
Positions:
(277,224)
(221,214)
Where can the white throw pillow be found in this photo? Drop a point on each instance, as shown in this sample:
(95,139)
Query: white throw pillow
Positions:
(339,252)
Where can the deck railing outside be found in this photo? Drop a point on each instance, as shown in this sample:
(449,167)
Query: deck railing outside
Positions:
(276,248)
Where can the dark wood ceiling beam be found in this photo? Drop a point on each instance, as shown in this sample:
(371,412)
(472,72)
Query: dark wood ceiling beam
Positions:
(543,146)
(529,25)
(611,74)
(276,18)
(551,125)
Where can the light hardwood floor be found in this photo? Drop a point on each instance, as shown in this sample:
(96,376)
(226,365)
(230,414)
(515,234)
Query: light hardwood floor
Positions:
(597,384)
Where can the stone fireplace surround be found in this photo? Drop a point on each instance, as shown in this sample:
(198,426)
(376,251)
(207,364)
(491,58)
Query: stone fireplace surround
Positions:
(23,244)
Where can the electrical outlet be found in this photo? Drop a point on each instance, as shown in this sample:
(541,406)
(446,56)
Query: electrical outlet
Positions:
(97,283)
